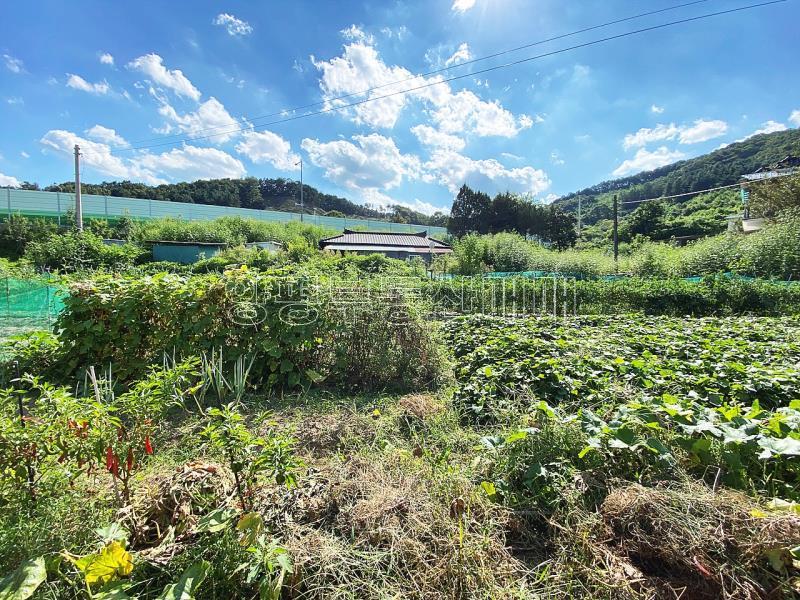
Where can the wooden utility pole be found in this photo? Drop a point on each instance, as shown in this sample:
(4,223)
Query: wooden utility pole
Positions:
(78,203)
(616,234)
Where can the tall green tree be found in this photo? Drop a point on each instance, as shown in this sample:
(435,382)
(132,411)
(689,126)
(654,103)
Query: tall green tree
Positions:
(470,212)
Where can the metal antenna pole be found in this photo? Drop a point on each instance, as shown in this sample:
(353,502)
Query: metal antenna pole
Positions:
(78,204)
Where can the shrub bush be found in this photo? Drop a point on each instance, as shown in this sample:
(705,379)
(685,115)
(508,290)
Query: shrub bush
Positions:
(711,296)
(34,353)
(76,251)
(231,230)
(773,252)
(18,231)
(297,334)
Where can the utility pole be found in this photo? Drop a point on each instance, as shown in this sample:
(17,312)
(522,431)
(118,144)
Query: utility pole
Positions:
(301,188)
(579,218)
(78,204)
(616,234)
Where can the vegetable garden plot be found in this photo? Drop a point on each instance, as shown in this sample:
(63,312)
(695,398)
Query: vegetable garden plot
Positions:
(720,397)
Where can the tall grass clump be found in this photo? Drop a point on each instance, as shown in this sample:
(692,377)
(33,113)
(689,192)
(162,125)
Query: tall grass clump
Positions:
(230,230)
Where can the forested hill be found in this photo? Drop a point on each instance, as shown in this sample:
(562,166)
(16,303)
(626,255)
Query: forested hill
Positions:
(274,194)
(717,168)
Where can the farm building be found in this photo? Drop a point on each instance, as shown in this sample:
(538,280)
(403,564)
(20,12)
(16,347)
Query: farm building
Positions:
(394,245)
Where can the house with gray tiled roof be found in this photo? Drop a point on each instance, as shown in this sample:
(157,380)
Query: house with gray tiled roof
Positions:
(394,245)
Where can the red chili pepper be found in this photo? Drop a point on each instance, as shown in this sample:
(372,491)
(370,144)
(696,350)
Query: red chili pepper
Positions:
(148,447)
(115,467)
(109,458)
(129,460)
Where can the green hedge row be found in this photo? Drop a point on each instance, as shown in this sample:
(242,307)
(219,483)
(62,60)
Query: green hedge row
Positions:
(711,296)
(295,337)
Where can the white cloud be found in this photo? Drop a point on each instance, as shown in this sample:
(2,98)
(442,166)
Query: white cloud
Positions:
(152,66)
(360,68)
(210,118)
(188,163)
(434,138)
(374,162)
(462,6)
(646,135)
(106,59)
(234,26)
(699,131)
(15,100)
(399,32)
(8,181)
(79,83)
(13,64)
(769,127)
(702,131)
(24,154)
(453,169)
(267,147)
(555,158)
(647,161)
(107,136)
(766,127)
(354,33)
(461,55)
(656,109)
(95,154)
(466,112)
(191,163)
(383,201)
(794,118)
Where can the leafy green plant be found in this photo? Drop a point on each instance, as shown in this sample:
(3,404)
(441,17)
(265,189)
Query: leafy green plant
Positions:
(249,457)
(269,565)
(35,353)
(45,430)
(77,251)
(23,582)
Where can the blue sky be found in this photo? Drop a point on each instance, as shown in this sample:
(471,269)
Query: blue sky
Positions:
(115,76)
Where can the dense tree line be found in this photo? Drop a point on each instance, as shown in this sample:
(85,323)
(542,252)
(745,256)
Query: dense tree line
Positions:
(474,211)
(721,167)
(274,194)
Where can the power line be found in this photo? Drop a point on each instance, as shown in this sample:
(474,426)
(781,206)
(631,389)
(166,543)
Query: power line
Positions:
(444,69)
(463,76)
(714,189)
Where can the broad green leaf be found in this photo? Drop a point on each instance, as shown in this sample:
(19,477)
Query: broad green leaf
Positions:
(780,446)
(112,532)
(215,521)
(114,591)
(250,526)
(490,489)
(188,584)
(22,583)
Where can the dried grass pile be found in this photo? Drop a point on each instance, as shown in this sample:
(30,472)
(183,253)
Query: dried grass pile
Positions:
(691,542)
(164,514)
(374,530)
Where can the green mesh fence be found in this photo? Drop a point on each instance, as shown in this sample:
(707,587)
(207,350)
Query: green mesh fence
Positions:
(28,304)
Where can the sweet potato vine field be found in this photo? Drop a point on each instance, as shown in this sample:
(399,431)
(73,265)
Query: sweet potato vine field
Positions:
(160,445)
